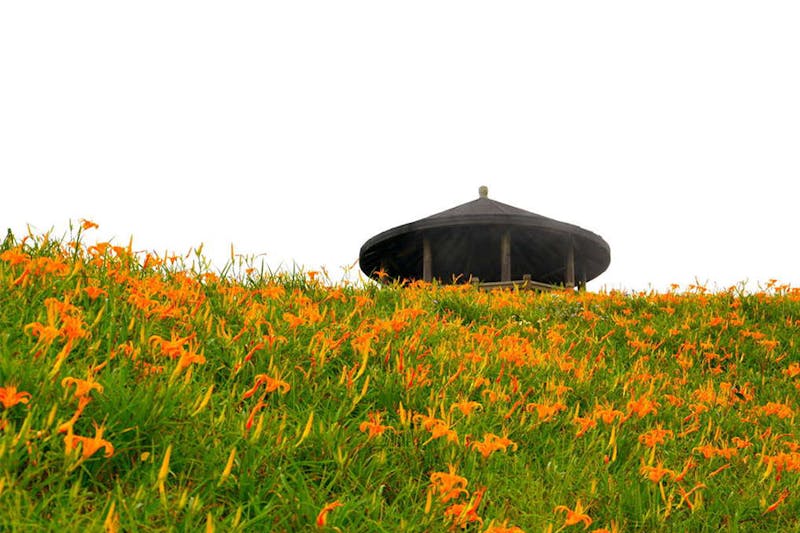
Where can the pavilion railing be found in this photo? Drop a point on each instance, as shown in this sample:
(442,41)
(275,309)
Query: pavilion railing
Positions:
(526,283)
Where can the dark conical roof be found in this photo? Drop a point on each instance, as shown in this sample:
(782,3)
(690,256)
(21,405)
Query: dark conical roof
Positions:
(465,241)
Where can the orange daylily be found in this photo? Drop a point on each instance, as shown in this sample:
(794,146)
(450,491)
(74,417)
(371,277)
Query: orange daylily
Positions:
(94,292)
(9,396)
(656,473)
(790,462)
(641,407)
(466,407)
(82,386)
(685,495)
(99,249)
(682,474)
(781,410)
(293,320)
(73,327)
(273,292)
(45,333)
(546,411)
(171,348)
(322,517)
(253,412)
(187,358)
(83,401)
(607,414)
(584,424)
(88,224)
(492,443)
(89,445)
(708,451)
(448,485)
(428,421)
(443,430)
(655,436)
(793,370)
(14,257)
(362,344)
(438,427)
(462,514)
(271,384)
(373,428)
(576,516)
(777,502)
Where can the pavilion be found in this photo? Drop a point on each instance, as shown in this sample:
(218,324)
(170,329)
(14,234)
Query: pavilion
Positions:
(487,241)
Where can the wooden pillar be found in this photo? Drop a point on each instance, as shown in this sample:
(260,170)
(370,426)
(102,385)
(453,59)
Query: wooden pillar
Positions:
(427,270)
(569,276)
(505,256)
(582,281)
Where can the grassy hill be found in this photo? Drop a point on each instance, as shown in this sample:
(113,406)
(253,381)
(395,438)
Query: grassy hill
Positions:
(143,393)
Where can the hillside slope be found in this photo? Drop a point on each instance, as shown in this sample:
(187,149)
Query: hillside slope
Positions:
(144,393)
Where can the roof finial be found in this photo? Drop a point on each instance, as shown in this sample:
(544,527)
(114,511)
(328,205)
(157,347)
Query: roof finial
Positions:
(483,191)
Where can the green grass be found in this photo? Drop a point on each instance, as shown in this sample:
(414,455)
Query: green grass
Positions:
(287,374)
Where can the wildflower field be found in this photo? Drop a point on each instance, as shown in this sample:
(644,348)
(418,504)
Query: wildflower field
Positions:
(147,393)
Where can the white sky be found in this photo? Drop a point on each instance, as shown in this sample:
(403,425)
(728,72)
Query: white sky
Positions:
(300,129)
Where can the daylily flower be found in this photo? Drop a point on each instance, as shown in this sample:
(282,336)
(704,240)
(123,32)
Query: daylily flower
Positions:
(584,424)
(9,396)
(466,407)
(83,401)
(373,428)
(546,411)
(462,514)
(641,407)
(443,430)
(777,502)
(88,224)
(82,386)
(73,327)
(171,348)
(708,451)
(322,517)
(448,485)
(271,384)
(781,410)
(492,443)
(253,412)
(293,320)
(607,414)
(655,436)
(94,292)
(45,333)
(575,516)
(656,473)
(14,257)
(685,495)
(89,445)
(187,358)
(793,370)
